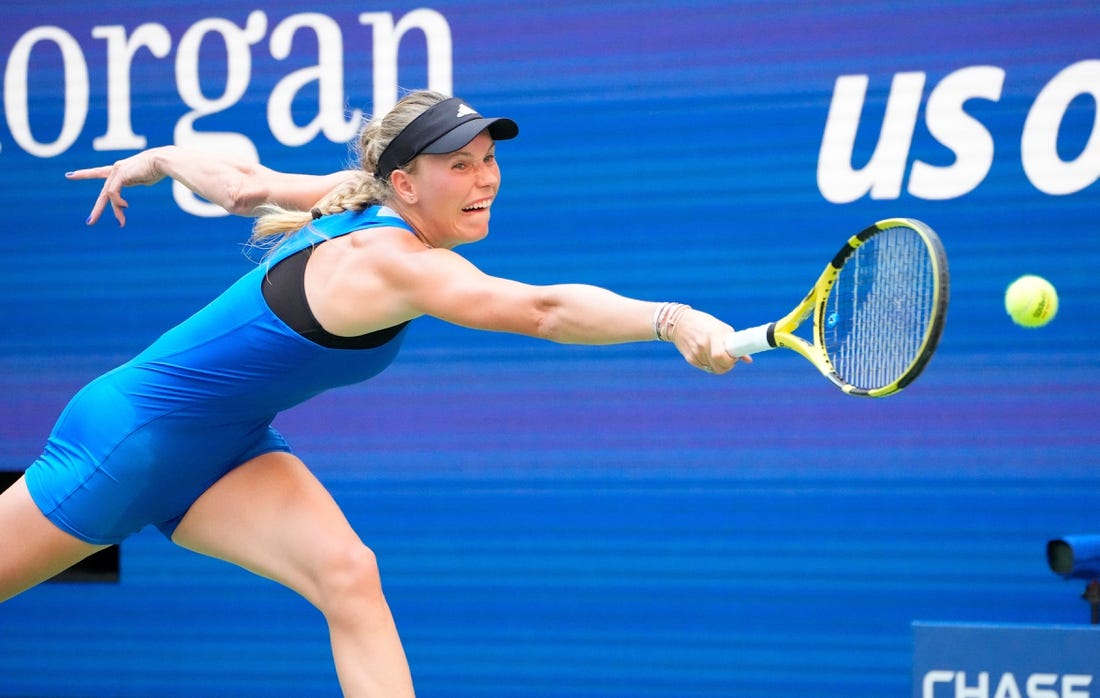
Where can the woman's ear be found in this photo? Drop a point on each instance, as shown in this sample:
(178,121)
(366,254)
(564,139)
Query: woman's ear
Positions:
(403,186)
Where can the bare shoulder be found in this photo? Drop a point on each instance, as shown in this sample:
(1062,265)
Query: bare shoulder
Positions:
(388,261)
(400,256)
(361,282)
(404,279)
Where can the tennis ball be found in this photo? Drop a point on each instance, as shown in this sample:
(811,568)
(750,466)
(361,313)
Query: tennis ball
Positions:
(1031,301)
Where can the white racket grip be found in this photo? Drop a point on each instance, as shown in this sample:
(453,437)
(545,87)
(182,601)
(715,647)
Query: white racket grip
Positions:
(749,341)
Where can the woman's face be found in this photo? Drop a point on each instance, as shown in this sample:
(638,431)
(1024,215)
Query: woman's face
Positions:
(453,193)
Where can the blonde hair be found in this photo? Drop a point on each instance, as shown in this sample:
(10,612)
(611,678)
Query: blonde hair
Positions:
(275,224)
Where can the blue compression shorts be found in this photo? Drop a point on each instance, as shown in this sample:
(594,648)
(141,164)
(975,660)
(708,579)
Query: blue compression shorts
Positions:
(108,470)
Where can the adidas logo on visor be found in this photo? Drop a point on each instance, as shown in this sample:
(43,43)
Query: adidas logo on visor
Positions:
(464,110)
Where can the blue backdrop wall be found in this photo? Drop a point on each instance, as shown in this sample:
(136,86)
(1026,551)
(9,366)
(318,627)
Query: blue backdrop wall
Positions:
(564,521)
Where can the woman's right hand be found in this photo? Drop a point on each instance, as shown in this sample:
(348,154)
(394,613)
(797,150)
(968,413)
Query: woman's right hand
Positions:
(701,339)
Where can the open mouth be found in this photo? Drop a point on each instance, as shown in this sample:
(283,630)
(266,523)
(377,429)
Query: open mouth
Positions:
(478,206)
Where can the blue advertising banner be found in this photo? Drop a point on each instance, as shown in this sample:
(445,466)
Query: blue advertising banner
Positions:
(1005,661)
(590,521)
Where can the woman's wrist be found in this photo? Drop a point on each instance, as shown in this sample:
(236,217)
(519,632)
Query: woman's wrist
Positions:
(665,318)
(162,157)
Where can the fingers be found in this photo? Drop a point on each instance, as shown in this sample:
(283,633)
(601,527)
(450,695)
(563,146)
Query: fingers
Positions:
(110,193)
(708,353)
(725,365)
(119,205)
(700,337)
(720,363)
(97,209)
(716,362)
(90,173)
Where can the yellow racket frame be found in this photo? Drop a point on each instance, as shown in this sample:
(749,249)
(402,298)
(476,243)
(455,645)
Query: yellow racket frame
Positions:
(781,333)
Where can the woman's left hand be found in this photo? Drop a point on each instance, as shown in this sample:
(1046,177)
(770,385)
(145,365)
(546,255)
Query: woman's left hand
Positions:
(136,169)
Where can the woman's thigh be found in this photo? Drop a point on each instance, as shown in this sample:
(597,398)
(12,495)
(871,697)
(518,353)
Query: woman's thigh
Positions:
(32,549)
(272,517)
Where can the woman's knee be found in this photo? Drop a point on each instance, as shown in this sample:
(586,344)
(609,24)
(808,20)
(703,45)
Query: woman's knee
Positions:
(348,580)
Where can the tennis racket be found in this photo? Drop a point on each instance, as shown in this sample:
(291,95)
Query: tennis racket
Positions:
(878,311)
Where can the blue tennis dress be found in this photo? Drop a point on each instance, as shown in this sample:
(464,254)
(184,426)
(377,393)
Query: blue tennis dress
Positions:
(140,444)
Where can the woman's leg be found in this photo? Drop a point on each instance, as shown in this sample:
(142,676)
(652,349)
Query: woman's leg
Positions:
(32,548)
(271,516)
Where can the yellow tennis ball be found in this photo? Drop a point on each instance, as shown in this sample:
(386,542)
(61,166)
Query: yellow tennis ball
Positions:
(1031,301)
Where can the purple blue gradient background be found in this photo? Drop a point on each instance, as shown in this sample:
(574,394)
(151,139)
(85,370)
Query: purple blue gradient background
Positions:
(576,521)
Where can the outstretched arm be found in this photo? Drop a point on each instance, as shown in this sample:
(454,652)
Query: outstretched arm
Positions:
(443,284)
(583,314)
(238,187)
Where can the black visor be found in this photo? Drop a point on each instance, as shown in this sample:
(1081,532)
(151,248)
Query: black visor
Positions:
(443,128)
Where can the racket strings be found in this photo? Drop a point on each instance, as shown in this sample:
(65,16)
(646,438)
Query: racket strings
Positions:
(880,308)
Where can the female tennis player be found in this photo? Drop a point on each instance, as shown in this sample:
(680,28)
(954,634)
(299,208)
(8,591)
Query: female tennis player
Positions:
(180,436)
